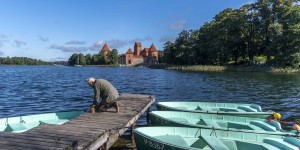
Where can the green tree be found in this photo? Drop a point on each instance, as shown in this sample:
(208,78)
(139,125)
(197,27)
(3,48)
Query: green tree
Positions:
(82,60)
(113,57)
(88,59)
(95,59)
(169,54)
(74,59)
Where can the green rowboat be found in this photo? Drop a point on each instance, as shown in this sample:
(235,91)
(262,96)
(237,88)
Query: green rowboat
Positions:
(234,109)
(225,122)
(24,123)
(181,138)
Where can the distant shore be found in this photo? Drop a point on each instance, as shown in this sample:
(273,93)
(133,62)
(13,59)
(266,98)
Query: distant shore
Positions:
(101,66)
(269,69)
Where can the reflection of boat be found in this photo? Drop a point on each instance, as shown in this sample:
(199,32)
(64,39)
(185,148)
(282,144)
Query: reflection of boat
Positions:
(225,122)
(24,123)
(235,109)
(180,138)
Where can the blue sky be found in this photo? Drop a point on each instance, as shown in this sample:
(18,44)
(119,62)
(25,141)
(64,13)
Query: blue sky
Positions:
(52,30)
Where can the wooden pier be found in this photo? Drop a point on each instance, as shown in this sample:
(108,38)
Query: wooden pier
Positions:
(87,131)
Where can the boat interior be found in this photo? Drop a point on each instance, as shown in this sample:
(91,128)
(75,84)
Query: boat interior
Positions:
(25,123)
(207,139)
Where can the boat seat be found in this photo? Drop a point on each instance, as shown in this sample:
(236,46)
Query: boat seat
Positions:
(17,127)
(203,108)
(247,108)
(280,143)
(210,123)
(292,141)
(214,143)
(54,121)
(263,125)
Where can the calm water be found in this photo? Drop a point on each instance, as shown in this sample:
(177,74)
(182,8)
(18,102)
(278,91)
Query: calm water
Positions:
(28,90)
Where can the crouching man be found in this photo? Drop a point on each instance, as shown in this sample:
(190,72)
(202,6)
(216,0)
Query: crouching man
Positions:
(106,91)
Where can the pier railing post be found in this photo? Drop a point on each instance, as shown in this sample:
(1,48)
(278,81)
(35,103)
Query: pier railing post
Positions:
(74,145)
(132,135)
(148,110)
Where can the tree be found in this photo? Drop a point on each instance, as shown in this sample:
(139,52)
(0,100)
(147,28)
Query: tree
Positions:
(161,56)
(113,57)
(74,59)
(82,60)
(169,56)
(88,59)
(95,59)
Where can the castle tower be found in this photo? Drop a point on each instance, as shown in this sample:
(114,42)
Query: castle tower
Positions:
(153,54)
(105,49)
(129,57)
(137,48)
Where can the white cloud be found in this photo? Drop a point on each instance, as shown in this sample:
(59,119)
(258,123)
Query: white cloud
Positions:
(19,43)
(250,2)
(147,38)
(97,46)
(43,39)
(116,43)
(2,36)
(76,42)
(168,38)
(178,25)
(68,49)
(1,53)
(1,43)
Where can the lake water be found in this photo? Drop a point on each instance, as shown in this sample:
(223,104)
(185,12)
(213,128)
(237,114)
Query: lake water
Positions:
(26,90)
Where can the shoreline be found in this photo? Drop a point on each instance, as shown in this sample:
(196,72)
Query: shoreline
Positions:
(211,68)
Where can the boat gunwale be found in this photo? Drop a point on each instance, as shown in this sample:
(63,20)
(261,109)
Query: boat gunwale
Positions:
(269,112)
(200,136)
(226,129)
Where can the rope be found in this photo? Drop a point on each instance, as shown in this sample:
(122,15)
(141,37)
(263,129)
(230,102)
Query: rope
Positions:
(283,104)
(269,119)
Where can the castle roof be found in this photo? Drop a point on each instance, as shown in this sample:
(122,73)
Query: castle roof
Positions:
(138,44)
(153,48)
(129,51)
(145,50)
(105,48)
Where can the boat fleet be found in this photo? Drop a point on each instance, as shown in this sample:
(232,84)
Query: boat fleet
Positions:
(214,126)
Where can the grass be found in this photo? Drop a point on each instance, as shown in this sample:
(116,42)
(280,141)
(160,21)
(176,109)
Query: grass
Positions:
(270,69)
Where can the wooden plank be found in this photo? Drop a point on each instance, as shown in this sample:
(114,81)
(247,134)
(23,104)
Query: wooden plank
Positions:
(131,122)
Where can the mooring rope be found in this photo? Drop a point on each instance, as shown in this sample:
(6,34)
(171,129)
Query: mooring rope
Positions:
(269,119)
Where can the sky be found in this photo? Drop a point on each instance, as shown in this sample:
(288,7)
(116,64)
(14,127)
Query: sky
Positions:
(52,30)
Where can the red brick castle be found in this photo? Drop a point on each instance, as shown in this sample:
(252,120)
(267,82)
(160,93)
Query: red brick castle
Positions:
(138,56)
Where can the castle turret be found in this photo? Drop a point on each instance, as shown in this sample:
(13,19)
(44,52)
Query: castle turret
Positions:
(105,49)
(129,56)
(137,48)
(153,54)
